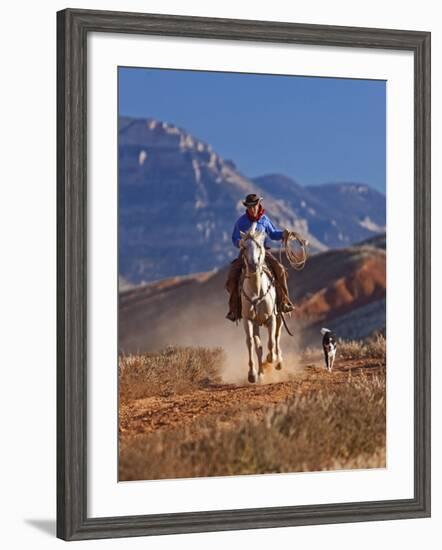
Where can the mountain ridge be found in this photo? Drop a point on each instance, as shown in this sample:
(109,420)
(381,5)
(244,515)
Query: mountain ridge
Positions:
(179,199)
(342,288)
(337,213)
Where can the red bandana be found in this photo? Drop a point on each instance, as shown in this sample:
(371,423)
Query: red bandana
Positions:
(258,216)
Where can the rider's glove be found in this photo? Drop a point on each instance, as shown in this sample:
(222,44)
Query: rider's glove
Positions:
(286,235)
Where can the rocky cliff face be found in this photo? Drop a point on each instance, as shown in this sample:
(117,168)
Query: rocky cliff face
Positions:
(338,214)
(178,201)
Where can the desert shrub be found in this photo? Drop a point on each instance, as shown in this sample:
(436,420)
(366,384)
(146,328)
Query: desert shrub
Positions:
(340,426)
(174,370)
(373,348)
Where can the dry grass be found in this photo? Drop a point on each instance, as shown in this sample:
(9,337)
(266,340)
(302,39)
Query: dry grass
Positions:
(374,347)
(175,370)
(341,426)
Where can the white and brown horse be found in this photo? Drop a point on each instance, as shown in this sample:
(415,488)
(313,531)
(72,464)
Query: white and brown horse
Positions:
(258,302)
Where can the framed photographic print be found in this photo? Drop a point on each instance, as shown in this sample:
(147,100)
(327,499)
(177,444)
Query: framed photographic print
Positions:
(243,274)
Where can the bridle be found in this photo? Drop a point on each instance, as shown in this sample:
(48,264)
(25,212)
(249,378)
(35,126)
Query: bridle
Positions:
(254,302)
(260,266)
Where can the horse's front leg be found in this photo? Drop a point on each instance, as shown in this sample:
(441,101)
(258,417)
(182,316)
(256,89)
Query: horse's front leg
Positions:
(258,348)
(248,327)
(271,326)
(278,365)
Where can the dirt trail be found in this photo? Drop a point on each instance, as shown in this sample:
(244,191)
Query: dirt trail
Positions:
(228,402)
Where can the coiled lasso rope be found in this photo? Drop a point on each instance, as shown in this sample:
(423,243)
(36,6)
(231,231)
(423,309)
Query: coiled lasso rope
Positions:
(296,259)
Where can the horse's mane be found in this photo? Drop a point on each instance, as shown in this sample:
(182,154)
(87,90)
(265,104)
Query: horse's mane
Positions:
(252,233)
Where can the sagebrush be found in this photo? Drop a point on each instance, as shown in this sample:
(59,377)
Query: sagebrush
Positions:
(174,370)
(340,425)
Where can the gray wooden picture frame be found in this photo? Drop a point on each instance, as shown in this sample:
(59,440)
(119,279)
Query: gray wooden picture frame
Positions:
(73,27)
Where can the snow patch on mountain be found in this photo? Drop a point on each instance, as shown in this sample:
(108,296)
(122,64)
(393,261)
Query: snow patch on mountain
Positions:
(368,223)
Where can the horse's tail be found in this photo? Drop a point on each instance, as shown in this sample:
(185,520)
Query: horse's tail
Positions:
(285,323)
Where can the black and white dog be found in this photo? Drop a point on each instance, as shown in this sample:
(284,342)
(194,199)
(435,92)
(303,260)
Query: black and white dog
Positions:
(329,347)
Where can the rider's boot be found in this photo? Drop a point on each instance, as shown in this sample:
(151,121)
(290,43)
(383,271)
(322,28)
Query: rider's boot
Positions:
(287,307)
(234,307)
(231,316)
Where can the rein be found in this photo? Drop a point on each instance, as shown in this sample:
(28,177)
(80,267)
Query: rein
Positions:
(254,302)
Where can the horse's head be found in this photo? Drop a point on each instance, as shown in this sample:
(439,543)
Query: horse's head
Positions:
(253,251)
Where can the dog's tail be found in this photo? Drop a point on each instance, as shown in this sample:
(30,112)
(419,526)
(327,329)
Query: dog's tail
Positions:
(324,331)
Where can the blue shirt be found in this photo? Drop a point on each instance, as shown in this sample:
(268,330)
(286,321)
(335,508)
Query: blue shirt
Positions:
(264,224)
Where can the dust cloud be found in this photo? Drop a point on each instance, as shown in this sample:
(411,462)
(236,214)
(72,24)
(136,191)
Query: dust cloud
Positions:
(230,337)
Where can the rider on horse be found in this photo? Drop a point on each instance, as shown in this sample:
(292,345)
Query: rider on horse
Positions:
(256,213)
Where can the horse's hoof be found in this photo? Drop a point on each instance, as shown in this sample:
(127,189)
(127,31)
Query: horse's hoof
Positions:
(252,377)
(278,366)
(269,358)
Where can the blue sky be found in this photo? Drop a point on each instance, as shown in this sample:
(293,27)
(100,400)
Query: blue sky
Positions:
(315,130)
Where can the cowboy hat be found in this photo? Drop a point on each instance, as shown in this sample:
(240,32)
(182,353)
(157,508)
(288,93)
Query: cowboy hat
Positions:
(252,200)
